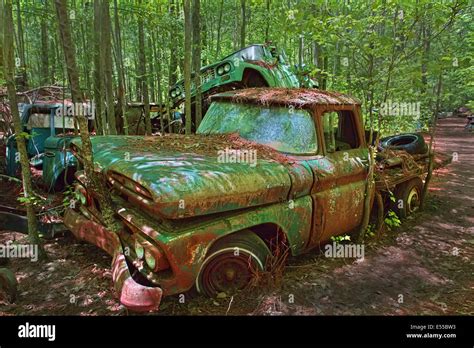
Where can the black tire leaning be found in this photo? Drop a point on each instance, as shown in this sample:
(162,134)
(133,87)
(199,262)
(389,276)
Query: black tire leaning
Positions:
(413,143)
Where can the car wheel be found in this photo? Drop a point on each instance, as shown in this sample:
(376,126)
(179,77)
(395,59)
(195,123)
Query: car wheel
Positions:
(409,194)
(232,263)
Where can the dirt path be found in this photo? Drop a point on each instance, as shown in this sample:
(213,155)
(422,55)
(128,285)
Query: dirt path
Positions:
(423,267)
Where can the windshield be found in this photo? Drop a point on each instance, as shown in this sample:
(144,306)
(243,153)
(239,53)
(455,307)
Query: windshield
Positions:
(287,130)
(255,52)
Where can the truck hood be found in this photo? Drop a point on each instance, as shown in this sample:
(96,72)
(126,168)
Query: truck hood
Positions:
(177,184)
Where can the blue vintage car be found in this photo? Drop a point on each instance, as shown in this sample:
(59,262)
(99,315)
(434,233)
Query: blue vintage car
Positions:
(47,145)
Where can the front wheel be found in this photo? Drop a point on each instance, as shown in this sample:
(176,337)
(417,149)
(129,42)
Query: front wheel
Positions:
(232,264)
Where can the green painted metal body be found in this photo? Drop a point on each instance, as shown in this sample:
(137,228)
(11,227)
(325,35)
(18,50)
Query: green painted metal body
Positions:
(254,59)
(175,204)
(58,159)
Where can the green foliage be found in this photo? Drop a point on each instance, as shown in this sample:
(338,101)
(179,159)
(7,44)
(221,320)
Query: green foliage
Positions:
(71,197)
(33,200)
(370,231)
(392,220)
(375,50)
(340,239)
(25,135)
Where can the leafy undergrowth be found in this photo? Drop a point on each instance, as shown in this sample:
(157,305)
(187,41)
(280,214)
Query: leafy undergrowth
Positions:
(422,267)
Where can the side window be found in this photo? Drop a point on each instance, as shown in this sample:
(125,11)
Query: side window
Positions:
(339,129)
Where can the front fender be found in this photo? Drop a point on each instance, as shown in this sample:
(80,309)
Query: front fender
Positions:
(55,163)
(186,250)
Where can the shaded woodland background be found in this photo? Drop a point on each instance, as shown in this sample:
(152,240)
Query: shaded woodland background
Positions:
(133,50)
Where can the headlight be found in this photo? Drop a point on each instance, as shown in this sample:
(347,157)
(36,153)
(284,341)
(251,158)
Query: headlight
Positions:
(173,93)
(223,69)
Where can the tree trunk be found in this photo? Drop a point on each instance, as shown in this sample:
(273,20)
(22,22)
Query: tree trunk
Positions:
(44,47)
(300,51)
(424,193)
(268,17)
(150,81)
(9,73)
(106,46)
(187,63)
(100,120)
(173,66)
(219,29)
(142,72)
(158,67)
(1,41)
(243,24)
(196,22)
(120,70)
(370,185)
(426,33)
(93,181)
(21,48)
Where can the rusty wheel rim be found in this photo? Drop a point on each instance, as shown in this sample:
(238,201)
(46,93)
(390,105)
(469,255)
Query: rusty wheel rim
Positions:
(228,273)
(413,201)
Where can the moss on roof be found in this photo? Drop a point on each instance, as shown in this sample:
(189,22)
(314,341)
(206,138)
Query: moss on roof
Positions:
(299,97)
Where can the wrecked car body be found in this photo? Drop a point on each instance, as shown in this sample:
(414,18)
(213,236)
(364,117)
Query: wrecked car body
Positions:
(47,144)
(199,211)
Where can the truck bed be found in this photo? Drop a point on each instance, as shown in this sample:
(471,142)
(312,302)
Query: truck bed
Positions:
(395,167)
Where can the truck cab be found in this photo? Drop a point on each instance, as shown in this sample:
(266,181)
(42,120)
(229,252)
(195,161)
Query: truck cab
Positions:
(48,140)
(187,202)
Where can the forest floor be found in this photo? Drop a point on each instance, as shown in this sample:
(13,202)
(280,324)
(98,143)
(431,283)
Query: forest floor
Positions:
(423,267)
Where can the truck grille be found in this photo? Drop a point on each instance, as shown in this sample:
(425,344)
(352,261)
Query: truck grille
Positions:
(208,75)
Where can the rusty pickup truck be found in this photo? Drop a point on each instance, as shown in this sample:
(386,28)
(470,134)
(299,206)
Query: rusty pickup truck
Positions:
(269,168)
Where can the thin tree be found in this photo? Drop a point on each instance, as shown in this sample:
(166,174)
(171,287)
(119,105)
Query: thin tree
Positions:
(44,46)
(173,64)
(431,153)
(120,69)
(142,80)
(196,21)
(243,24)
(158,69)
(93,181)
(100,120)
(219,30)
(9,73)
(268,20)
(187,63)
(108,70)
(1,44)
(21,46)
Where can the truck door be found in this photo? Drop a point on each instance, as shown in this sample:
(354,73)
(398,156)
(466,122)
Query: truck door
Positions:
(340,174)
